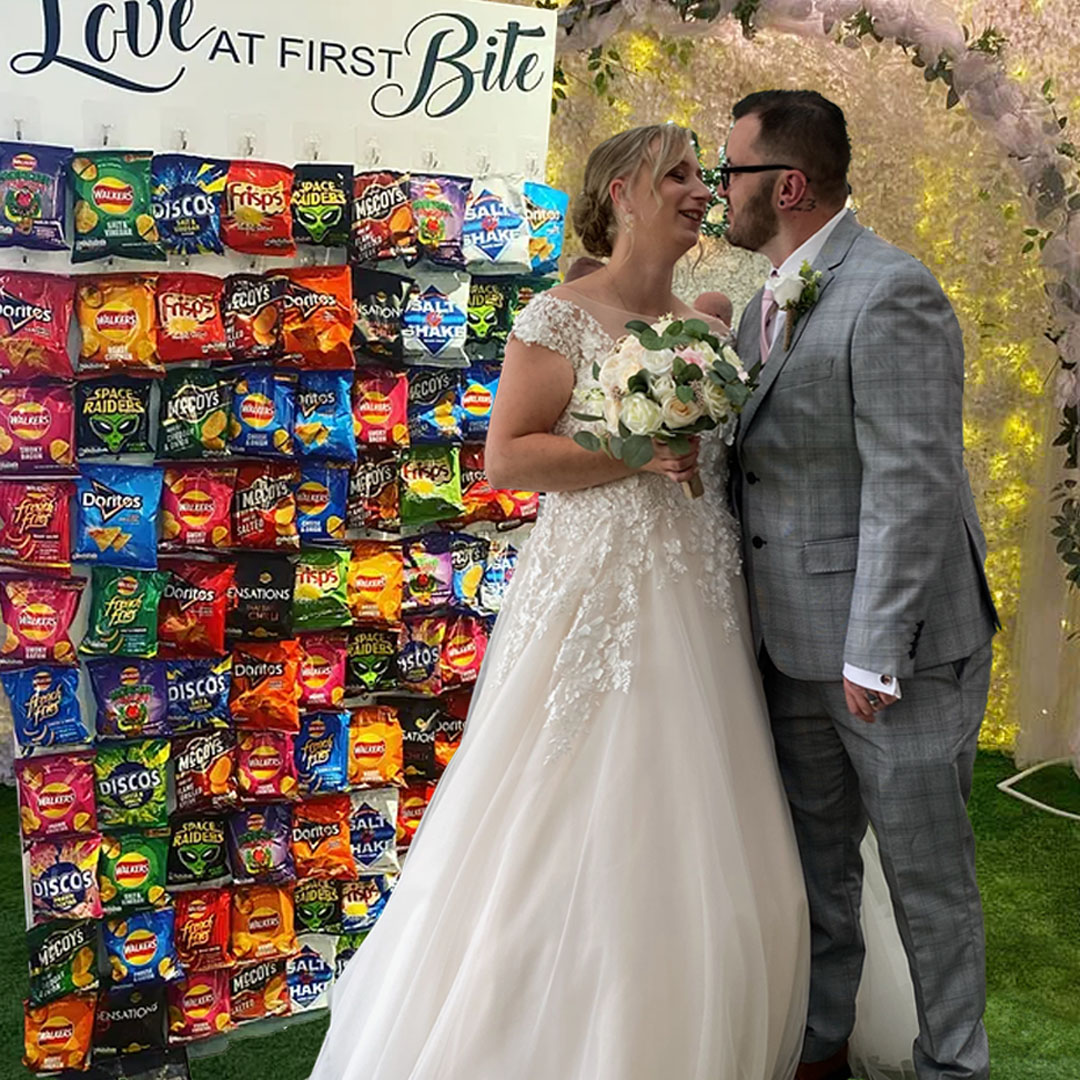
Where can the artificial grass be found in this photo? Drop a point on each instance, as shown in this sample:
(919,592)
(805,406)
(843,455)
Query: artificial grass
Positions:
(1029,869)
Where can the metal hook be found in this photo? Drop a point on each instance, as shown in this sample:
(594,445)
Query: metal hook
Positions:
(18,129)
(532,165)
(183,139)
(313,147)
(249,144)
(483,163)
(374,151)
(431,159)
(106,131)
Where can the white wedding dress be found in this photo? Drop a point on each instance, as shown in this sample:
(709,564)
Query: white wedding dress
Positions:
(606,884)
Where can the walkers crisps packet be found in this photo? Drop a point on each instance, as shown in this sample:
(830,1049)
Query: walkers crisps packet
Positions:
(57,1035)
(196,508)
(322,501)
(191,324)
(35,313)
(263,413)
(56,795)
(45,707)
(118,319)
(33,196)
(322,669)
(37,614)
(267,769)
(375,582)
(262,922)
(114,215)
(141,948)
(199,1007)
(375,747)
(132,871)
(381,408)
(37,429)
(117,508)
(35,524)
(257,211)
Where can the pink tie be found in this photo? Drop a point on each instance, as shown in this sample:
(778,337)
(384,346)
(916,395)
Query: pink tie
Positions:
(769,308)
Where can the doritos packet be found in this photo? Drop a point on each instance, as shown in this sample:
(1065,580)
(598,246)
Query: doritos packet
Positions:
(259,990)
(35,529)
(37,429)
(56,796)
(438,204)
(546,209)
(436,319)
(118,319)
(430,485)
(322,204)
(322,669)
(132,871)
(490,302)
(197,855)
(318,906)
(37,614)
(206,771)
(116,518)
(380,408)
(196,508)
(191,618)
(497,232)
(372,659)
(373,827)
(310,973)
(114,215)
(419,662)
(202,929)
(199,1007)
(267,769)
(254,308)
(186,193)
(57,1035)
(374,499)
(199,694)
(318,320)
(259,844)
(320,597)
(45,707)
(131,698)
(262,923)
(33,196)
(383,225)
(320,838)
(123,612)
(257,210)
(375,582)
(35,313)
(141,948)
(63,879)
(324,419)
(130,1020)
(263,413)
(376,749)
(194,414)
(264,507)
(263,603)
(191,324)
(112,416)
(266,685)
(435,414)
(322,752)
(63,959)
(132,784)
(379,301)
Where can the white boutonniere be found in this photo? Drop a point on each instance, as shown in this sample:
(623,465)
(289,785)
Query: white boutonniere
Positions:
(796,294)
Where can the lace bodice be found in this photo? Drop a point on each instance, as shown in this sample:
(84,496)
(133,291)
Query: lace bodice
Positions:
(592,552)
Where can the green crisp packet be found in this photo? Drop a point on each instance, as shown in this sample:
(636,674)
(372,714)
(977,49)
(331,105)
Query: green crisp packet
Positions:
(63,959)
(124,612)
(318,906)
(132,785)
(320,600)
(131,872)
(430,485)
(114,214)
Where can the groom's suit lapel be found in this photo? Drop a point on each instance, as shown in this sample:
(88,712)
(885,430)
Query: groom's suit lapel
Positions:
(832,255)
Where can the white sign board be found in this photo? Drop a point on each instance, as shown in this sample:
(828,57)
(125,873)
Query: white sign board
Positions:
(446,84)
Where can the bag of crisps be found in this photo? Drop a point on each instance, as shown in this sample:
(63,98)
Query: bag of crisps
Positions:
(373,828)
(322,752)
(63,959)
(116,520)
(45,707)
(132,872)
(131,698)
(320,838)
(375,747)
(254,309)
(546,209)
(206,771)
(35,524)
(322,204)
(114,215)
(318,319)
(33,196)
(415,800)
(499,572)
(318,906)
(63,879)
(202,929)
(37,429)
(374,499)
(381,408)
(320,599)
(259,844)
(383,226)
(199,1007)
(56,796)
(197,854)
(191,324)
(141,948)
(463,651)
(496,230)
(480,385)
(419,662)
(322,501)
(451,729)
(263,605)
(35,313)
(376,581)
(112,416)
(132,784)
(436,320)
(194,415)
(430,485)
(429,573)
(187,193)
(57,1035)
(196,508)
(372,659)
(311,973)
(490,303)
(257,211)
(262,923)
(191,618)
(263,413)
(324,421)
(37,614)
(347,944)
(322,669)
(438,204)
(258,991)
(199,694)
(118,319)
(266,685)
(264,507)
(435,413)
(123,612)
(379,301)
(266,766)
(468,555)
(130,1020)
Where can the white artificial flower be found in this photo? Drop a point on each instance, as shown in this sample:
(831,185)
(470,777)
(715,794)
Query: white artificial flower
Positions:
(611,415)
(641,415)
(661,325)
(659,362)
(715,400)
(620,367)
(662,387)
(680,414)
(788,289)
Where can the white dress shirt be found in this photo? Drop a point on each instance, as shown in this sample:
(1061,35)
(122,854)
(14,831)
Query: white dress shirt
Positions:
(808,252)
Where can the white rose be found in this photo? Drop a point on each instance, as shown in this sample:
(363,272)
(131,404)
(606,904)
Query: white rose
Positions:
(680,414)
(659,362)
(641,415)
(611,415)
(715,400)
(788,290)
(617,370)
(662,387)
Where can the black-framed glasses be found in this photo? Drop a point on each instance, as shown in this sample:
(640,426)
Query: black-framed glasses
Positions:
(726,172)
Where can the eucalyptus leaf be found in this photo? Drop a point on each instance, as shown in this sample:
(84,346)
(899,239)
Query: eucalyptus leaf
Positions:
(638,384)
(615,445)
(737,393)
(685,394)
(636,326)
(680,445)
(725,370)
(637,451)
(650,339)
(588,441)
(587,417)
(693,373)
(696,328)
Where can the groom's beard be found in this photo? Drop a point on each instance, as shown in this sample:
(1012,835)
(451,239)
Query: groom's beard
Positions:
(757,222)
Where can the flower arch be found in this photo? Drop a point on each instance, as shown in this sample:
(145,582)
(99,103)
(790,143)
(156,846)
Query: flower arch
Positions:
(1022,121)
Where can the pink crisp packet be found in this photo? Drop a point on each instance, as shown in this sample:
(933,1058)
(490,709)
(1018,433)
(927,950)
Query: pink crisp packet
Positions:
(64,879)
(56,795)
(323,659)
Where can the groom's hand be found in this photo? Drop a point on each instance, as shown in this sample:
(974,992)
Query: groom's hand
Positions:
(860,705)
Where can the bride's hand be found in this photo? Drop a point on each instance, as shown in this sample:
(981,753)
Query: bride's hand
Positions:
(678,468)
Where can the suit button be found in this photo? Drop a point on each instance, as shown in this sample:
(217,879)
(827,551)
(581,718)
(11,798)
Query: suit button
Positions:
(751,478)
(885,680)
(758,542)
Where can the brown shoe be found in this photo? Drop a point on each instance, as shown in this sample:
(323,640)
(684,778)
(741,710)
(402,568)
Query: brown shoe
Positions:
(832,1068)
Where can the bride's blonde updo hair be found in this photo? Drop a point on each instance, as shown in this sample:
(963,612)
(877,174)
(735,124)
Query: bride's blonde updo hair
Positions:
(657,147)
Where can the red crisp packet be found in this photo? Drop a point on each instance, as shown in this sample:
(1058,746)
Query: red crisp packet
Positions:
(412,805)
(38,613)
(199,1007)
(190,321)
(35,314)
(56,795)
(260,990)
(265,691)
(202,929)
(37,429)
(191,616)
(463,651)
(196,505)
(266,766)
(323,661)
(35,524)
(381,408)
(264,507)
(485,503)
(256,216)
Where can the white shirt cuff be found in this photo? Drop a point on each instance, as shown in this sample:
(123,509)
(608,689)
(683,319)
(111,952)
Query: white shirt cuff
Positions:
(872,680)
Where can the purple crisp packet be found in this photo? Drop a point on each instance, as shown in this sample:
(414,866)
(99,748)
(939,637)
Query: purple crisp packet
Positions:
(429,574)
(259,844)
(438,204)
(33,196)
(132,698)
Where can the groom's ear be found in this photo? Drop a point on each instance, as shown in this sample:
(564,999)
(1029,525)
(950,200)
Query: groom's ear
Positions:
(794,191)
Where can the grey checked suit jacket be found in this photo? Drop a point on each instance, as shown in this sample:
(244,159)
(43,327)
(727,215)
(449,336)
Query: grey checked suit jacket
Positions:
(861,539)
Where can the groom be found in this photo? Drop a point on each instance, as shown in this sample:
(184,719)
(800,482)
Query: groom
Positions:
(864,559)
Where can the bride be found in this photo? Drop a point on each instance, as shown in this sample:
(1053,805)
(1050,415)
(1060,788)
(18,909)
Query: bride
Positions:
(606,885)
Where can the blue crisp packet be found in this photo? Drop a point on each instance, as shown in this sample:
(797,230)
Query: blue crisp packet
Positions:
(116,515)
(263,412)
(324,418)
(436,318)
(131,698)
(198,694)
(33,196)
(45,706)
(545,209)
(321,751)
(434,406)
(141,948)
(322,501)
(187,193)
(363,901)
(497,233)
(478,391)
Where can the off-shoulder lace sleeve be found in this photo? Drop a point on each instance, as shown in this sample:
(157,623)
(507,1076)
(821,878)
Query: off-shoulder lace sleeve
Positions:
(563,327)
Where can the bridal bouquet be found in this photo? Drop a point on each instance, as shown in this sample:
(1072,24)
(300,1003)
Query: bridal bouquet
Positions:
(668,382)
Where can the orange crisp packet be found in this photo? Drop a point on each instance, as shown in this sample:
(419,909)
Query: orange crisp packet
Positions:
(266,685)
(376,747)
(58,1035)
(376,581)
(321,846)
(119,324)
(319,317)
(262,922)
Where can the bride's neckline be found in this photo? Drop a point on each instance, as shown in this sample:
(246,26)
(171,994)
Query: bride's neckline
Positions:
(613,307)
